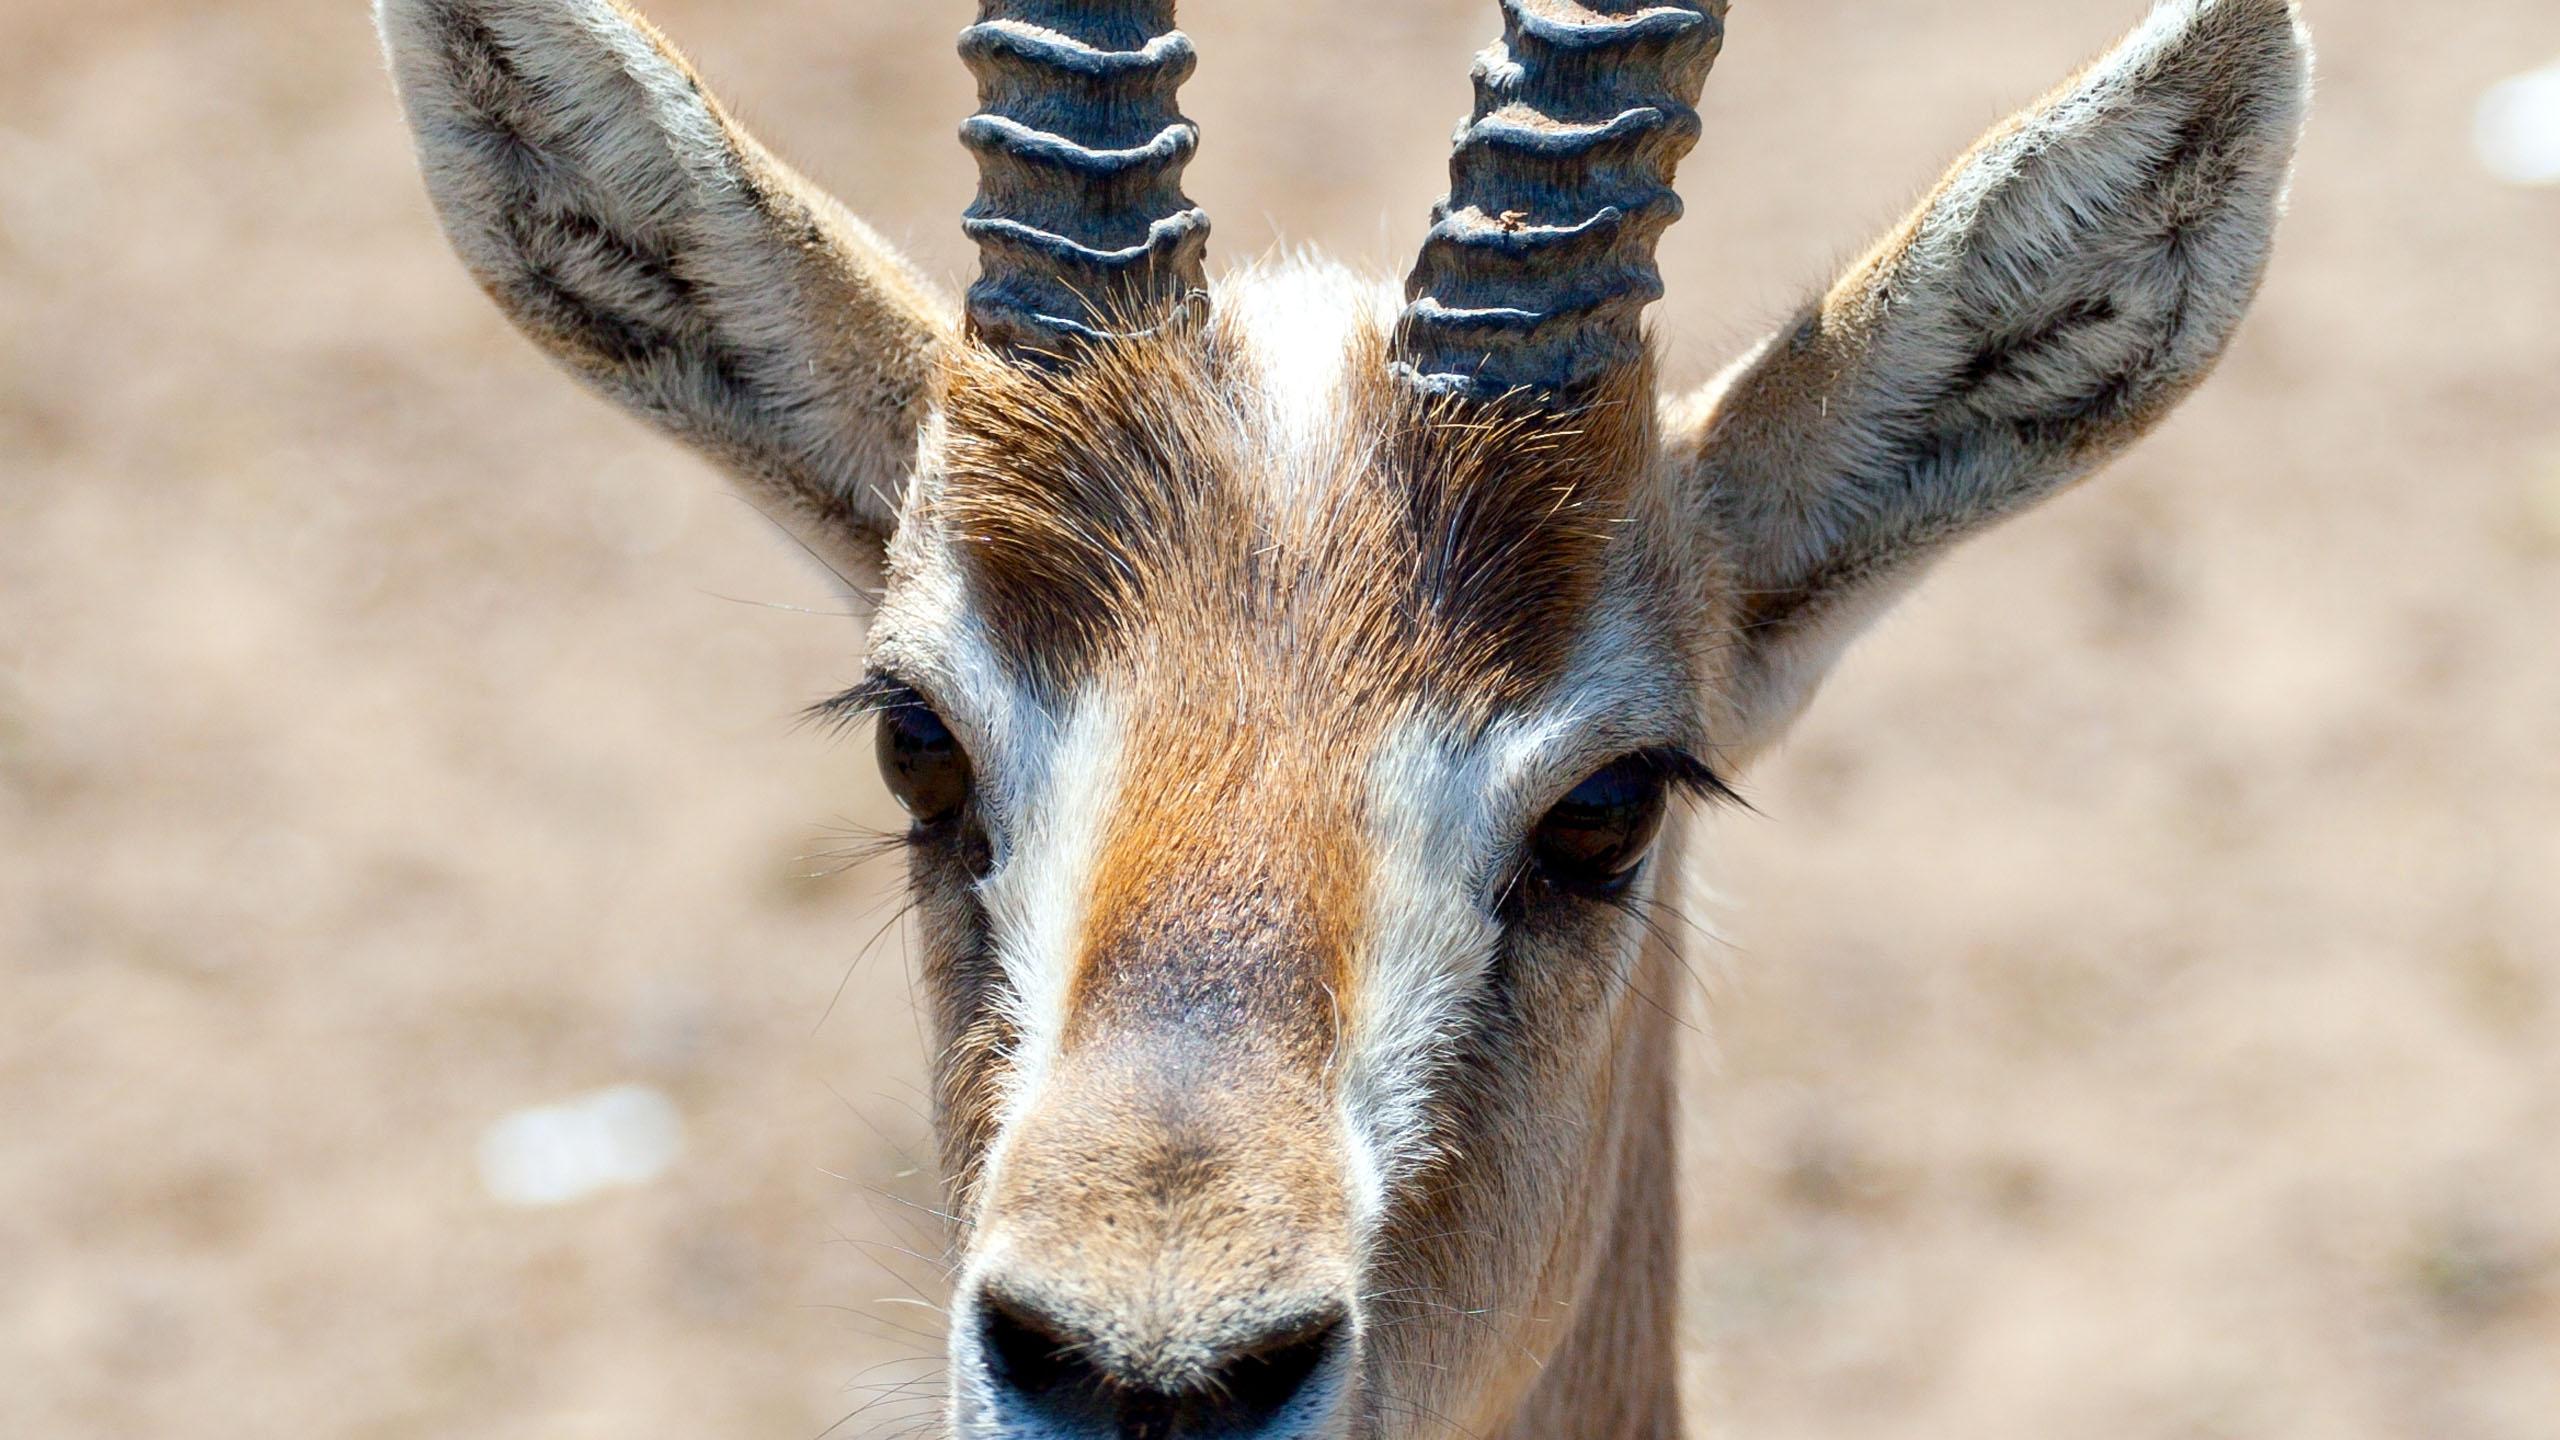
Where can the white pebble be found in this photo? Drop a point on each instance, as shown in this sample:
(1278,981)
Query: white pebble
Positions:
(2517,129)
(557,1154)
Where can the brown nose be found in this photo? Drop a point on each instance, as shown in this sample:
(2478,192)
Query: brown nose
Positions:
(1168,1251)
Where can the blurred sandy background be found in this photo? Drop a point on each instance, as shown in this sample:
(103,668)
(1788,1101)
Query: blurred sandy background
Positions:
(2141,1012)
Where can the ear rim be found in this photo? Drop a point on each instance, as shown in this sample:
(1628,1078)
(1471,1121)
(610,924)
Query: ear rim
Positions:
(1814,552)
(664,257)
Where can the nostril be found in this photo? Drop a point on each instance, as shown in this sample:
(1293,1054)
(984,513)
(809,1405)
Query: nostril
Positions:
(1041,1363)
(1254,1387)
(1050,1377)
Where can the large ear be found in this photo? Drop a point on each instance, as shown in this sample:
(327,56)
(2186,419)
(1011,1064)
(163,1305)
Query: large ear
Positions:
(655,250)
(2070,280)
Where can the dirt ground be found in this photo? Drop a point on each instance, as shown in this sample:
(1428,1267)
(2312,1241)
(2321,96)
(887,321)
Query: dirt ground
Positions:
(2139,1016)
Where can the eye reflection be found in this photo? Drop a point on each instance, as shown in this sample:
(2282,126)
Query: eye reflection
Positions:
(922,762)
(1595,839)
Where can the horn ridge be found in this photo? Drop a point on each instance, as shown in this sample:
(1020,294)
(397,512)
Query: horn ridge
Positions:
(1081,224)
(1540,262)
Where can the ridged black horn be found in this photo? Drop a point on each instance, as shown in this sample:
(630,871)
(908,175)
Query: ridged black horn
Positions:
(1081,223)
(1541,261)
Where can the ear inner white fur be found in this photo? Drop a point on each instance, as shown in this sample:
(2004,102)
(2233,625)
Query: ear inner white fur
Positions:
(2066,285)
(655,250)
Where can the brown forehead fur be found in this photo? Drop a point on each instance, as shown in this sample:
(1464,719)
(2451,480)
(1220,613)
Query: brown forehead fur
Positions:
(1124,500)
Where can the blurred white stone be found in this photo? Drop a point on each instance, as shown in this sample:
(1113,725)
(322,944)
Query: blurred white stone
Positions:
(557,1154)
(2517,129)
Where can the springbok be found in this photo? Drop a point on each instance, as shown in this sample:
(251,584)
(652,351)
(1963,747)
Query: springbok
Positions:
(1293,682)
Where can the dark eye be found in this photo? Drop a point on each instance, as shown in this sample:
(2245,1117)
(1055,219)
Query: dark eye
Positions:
(922,762)
(1593,840)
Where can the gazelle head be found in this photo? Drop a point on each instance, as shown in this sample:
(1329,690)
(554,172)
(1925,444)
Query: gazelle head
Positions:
(1296,685)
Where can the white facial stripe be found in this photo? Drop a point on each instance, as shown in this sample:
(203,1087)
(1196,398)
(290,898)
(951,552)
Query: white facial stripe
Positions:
(1047,781)
(1425,943)
(1037,898)
(1444,813)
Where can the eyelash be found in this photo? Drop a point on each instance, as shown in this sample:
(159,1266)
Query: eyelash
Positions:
(1688,775)
(876,695)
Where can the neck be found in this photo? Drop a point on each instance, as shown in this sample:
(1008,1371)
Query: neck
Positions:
(1616,1376)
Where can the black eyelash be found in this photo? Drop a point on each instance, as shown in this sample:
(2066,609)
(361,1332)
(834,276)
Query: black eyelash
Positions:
(853,846)
(877,694)
(1692,776)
